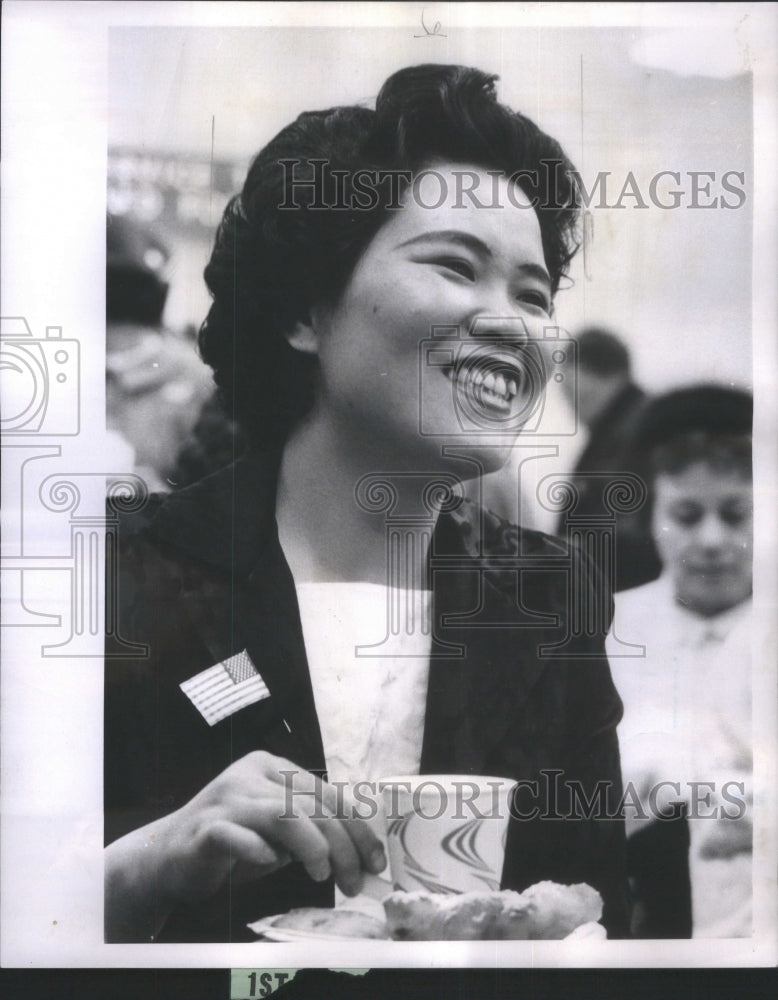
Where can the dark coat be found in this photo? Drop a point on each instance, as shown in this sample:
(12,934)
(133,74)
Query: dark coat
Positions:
(202,576)
(610,451)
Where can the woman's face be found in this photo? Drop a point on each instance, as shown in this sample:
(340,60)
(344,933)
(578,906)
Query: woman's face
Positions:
(470,277)
(702,525)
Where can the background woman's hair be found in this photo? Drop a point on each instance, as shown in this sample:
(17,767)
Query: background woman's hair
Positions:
(697,423)
(270,265)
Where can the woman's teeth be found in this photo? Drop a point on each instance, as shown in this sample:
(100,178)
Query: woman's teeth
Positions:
(489,385)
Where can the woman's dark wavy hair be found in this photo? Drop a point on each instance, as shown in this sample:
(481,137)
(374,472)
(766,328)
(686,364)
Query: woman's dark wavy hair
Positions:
(697,424)
(270,265)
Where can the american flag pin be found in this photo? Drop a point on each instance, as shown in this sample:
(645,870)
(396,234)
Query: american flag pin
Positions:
(225,688)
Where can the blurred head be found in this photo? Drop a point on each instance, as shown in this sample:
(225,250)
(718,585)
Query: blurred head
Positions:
(698,445)
(310,302)
(136,259)
(603,370)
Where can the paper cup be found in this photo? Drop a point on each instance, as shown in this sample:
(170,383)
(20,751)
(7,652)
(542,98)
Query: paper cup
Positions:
(446,832)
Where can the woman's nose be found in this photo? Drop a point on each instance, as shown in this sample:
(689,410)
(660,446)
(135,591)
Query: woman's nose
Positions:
(513,328)
(711,532)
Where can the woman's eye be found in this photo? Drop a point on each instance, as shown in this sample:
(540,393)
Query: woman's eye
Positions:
(733,516)
(687,515)
(688,520)
(536,299)
(457,265)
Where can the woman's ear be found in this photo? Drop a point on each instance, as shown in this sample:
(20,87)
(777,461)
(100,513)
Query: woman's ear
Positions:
(305,335)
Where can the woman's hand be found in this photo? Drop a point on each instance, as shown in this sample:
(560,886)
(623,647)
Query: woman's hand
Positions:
(257,815)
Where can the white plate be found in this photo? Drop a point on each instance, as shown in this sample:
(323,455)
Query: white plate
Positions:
(265,929)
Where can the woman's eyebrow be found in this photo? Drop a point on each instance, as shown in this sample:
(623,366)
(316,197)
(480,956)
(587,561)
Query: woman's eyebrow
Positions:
(535,271)
(451,236)
(477,246)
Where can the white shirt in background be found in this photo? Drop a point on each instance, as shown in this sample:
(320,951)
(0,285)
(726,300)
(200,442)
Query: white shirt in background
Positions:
(687,718)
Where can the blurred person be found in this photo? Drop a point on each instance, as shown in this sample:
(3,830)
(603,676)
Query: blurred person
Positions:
(155,383)
(609,403)
(687,703)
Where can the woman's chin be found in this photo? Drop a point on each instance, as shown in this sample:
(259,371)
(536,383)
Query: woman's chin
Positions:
(470,458)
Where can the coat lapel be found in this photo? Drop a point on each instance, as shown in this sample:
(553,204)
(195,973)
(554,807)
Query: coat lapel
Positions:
(276,635)
(478,572)
(239,594)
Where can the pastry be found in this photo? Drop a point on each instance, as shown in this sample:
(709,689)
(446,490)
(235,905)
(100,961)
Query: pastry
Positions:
(547,911)
(426,916)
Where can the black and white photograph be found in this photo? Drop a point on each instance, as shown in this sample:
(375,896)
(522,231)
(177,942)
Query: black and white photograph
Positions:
(389,486)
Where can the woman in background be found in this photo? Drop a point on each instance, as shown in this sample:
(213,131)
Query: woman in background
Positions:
(687,702)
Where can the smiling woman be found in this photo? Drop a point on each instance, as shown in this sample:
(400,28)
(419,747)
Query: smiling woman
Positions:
(329,607)
(478,273)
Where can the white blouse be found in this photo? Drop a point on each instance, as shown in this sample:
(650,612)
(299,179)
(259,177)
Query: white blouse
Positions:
(687,718)
(368,655)
(370,705)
